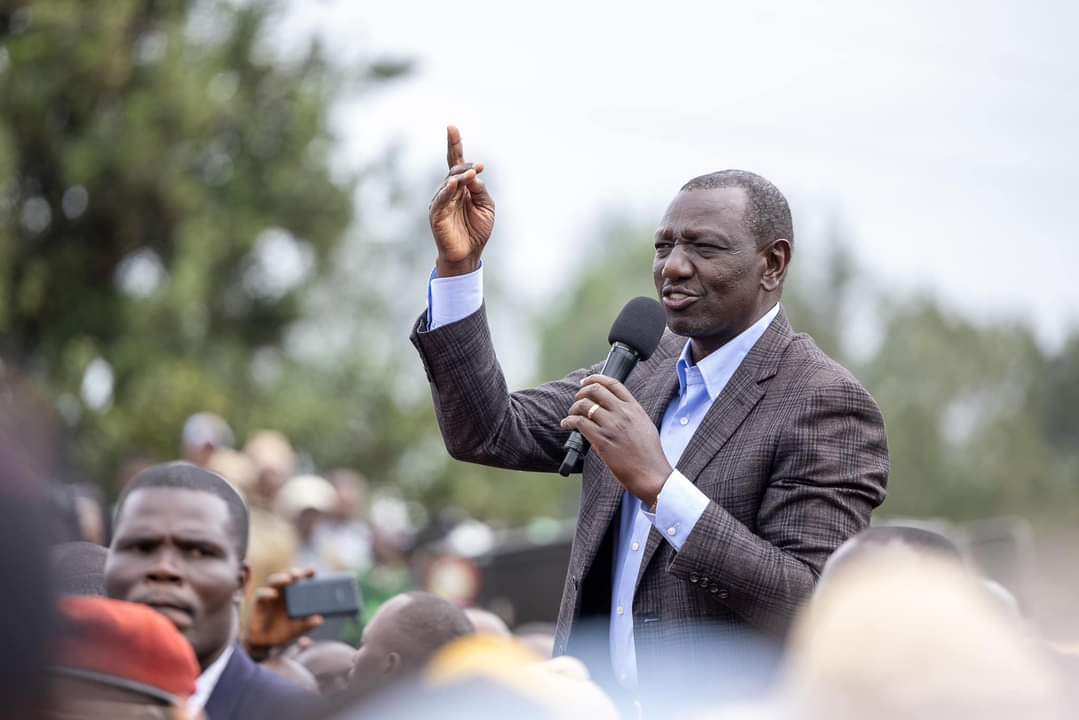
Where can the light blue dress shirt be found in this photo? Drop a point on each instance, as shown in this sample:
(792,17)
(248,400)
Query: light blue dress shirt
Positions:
(680,503)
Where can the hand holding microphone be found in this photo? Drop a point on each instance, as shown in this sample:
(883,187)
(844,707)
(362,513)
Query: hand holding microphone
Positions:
(606,416)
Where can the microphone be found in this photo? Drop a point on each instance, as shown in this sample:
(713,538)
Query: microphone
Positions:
(634,336)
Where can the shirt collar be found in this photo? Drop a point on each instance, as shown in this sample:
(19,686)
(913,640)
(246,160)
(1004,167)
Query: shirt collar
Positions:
(207,681)
(717,368)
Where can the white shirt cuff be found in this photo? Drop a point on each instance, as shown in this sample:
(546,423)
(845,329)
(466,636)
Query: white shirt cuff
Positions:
(678,509)
(453,298)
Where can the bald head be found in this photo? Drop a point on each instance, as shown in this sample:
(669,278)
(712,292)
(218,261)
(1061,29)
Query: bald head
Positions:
(403,635)
(330,663)
(872,540)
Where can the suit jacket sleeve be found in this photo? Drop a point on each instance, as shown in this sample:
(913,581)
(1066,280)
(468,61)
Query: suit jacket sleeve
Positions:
(829,472)
(480,420)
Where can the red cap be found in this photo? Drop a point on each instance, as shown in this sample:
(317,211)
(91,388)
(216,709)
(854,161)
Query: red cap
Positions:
(125,645)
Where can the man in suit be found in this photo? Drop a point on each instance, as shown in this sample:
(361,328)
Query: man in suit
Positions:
(723,472)
(179,546)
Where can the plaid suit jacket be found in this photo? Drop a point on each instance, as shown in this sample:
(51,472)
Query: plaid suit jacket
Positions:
(792,454)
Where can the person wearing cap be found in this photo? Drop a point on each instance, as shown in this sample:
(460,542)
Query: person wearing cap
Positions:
(179,545)
(723,471)
(119,660)
(203,434)
(306,501)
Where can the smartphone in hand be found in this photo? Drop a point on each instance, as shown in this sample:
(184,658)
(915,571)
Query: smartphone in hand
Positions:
(334,595)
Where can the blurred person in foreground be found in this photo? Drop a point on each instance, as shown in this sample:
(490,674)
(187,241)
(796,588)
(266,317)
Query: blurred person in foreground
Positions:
(118,661)
(901,538)
(29,449)
(487,623)
(78,568)
(900,634)
(179,547)
(723,472)
(485,676)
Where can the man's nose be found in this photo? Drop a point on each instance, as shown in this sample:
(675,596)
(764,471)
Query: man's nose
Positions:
(676,265)
(164,568)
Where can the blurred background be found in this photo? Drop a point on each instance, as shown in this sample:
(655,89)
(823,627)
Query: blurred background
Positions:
(213,224)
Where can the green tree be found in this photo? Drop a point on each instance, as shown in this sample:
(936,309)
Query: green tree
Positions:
(166,202)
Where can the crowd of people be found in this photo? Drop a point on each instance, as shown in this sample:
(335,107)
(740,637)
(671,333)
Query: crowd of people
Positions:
(181,614)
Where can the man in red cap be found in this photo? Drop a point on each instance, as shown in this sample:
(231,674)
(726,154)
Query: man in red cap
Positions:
(120,660)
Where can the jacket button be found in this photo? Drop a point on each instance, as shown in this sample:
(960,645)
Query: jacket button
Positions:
(694,578)
(713,589)
(722,594)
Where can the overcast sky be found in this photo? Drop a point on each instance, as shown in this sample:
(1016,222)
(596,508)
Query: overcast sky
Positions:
(946,135)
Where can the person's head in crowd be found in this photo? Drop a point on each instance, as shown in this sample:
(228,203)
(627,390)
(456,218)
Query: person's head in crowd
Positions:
(78,568)
(873,539)
(305,501)
(275,462)
(118,660)
(351,487)
(403,635)
(179,546)
(487,623)
(294,672)
(236,467)
(330,663)
(204,433)
(562,686)
(904,635)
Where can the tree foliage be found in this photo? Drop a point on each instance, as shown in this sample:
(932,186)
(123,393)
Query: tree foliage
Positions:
(166,199)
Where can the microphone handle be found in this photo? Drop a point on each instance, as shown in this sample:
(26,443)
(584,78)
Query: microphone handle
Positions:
(619,364)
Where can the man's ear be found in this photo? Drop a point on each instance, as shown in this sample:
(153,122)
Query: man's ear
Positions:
(777,257)
(243,579)
(392,664)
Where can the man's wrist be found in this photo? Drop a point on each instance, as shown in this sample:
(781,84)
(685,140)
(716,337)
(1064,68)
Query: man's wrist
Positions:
(651,500)
(446,269)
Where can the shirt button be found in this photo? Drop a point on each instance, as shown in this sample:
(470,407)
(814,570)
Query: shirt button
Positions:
(636,546)
(621,610)
(684,421)
(671,531)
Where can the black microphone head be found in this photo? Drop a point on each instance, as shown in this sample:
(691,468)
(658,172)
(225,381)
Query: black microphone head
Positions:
(640,325)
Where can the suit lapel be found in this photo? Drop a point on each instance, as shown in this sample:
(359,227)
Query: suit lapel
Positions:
(741,394)
(226,693)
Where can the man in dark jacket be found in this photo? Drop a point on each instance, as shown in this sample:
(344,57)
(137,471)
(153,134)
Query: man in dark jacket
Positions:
(179,547)
(725,469)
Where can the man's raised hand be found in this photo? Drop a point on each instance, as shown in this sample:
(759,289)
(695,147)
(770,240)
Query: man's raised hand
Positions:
(462,212)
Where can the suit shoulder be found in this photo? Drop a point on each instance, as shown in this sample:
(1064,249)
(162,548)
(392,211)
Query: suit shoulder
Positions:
(807,366)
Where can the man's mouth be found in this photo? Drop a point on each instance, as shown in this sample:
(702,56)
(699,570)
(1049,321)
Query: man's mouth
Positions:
(178,612)
(676,299)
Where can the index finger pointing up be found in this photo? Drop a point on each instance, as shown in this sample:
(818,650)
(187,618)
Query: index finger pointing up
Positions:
(455,151)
